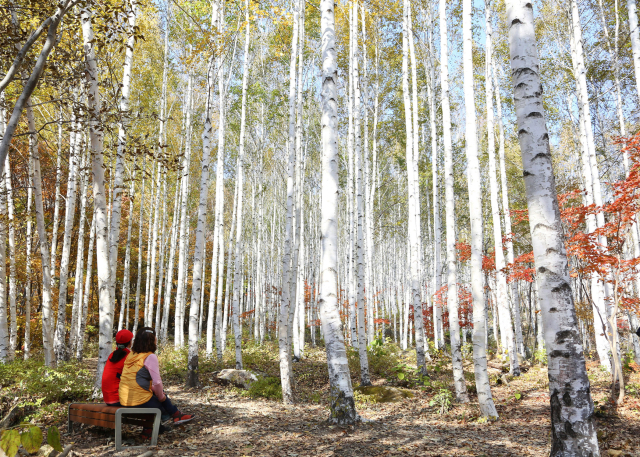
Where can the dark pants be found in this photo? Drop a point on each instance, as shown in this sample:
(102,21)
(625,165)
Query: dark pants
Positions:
(166,407)
(114,404)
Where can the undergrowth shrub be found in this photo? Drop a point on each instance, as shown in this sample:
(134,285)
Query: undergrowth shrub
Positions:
(269,387)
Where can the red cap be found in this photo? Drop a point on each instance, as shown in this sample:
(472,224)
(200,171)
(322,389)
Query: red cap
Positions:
(124,337)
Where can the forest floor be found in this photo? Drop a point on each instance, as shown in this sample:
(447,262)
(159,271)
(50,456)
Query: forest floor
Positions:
(232,423)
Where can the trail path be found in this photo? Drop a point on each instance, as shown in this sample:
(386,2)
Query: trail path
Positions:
(232,425)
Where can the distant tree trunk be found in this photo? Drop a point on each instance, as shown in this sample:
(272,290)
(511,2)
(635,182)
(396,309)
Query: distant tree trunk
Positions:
(571,404)
(506,327)
(341,394)
(136,311)
(483,387)
(184,240)
(238,284)
(123,321)
(412,221)
(82,318)
(59,339)
(634,36)
(77,289)
(286,372)
(169,279)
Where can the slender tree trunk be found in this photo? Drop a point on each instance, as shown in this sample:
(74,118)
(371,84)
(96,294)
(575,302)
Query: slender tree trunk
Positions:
(286,372)
(506,328)
(412,226)
(82,321)
(634,35)
(571,404)
(99,200)
(13,289)
(136,311)
(164,327)
(77,288)
(116,208)
(341,394)
(483,387)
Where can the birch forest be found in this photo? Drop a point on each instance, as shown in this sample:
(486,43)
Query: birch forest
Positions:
(407,217)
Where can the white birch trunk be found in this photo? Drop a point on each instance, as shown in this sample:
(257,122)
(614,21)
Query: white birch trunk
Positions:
(483,387)
(164,326)
(572,422)
(82,321)
(200,244)
(183,238)
(634,36)
(286,372)
(136,311)
(99,196)
(341,394)
(59,339)
(77,288)
(360,267)
(506,327)
(116,208)
(412,226)
(44,245)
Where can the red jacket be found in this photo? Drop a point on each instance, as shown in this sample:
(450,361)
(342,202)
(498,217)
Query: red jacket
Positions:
(111,379)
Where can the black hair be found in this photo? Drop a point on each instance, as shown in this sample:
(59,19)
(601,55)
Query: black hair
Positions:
(145,341)
(119,353)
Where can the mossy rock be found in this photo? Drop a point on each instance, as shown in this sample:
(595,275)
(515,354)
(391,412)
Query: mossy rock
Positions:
(384,394)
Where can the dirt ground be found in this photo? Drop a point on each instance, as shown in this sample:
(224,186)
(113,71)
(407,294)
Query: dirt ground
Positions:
(229,424)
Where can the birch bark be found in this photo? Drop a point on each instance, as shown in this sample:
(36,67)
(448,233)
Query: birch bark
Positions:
(634,35)
(99,200)
(506,327)
(286,372)
(342,404)
(116,208)
(572,422)
(483,387)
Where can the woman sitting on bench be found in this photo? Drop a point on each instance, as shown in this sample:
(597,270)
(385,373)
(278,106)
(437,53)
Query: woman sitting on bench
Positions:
(113,368)
(140,383)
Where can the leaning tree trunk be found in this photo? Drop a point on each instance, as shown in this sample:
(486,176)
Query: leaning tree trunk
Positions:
(572,422)
(343,409)
(634,36)
(483,387)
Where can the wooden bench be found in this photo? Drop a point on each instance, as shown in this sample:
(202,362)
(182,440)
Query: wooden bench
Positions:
(113,417)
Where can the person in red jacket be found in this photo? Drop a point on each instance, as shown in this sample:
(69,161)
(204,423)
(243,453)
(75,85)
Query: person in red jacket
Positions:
(113,368)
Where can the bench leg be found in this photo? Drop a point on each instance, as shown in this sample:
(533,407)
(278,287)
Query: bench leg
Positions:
(156,428)
(118,430)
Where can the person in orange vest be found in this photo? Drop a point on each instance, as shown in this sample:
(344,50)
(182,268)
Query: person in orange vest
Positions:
(113,368)
(140,382)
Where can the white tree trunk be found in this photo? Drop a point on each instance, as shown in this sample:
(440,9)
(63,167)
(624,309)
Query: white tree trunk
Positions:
(506,327)
(82,321)
(99,196)
(412,227)
(286,372)
(571,404)
(341,394)
(483,387)
(77,289)
(117,189)
(59,339)
(360,267)
(200,244)
(123,321)
(183,238)
(164,326)
(136,311)
(634,36)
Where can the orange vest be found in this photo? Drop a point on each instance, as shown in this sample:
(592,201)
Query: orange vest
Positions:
(135,381)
